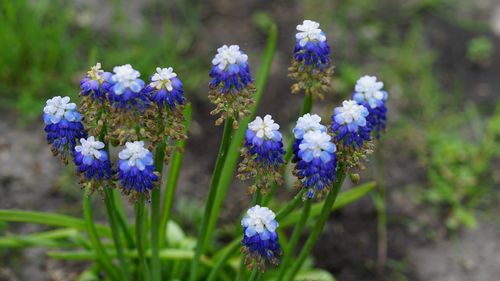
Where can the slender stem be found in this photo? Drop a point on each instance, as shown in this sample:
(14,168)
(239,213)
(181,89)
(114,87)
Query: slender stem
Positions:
(112,215)
(102,255)
(255,275)
(318,227)
(122,222)
(380,203)
(239,274)
(297,231)
(155,216)
(233,247)
(139,233)
(291,205)
(202,235)
(173,176)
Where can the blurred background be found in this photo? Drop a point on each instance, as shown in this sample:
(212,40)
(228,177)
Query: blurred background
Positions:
(439,161)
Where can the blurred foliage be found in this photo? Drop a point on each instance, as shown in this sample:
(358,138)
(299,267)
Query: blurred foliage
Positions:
(479,49)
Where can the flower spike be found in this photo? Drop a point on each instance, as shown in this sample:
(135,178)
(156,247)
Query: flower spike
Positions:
(92,161)
(262,154)
(231,87)
(369,93)
(63,126)
(260,241)
(304,125)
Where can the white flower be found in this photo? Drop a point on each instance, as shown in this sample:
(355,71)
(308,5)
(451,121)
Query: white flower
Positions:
(162,78)
(265,128)
(133,151)
(57,107)
(351,112)
(309,31)
(259,219)
(125,75)
(308,123)
(90,147)
(317,142)
(369,89)
(95,72)
(229,55)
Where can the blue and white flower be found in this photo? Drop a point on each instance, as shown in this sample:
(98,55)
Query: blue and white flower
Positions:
(136,168)
(62,124)
(96,83)
(264,141)
(165,88)
(369,92)
(311,47)
(349,124)
(260,240)
(317,163)
(92,160)
(125,89)
(230,72)
(308,122)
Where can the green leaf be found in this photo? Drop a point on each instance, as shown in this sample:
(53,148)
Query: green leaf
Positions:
(345,198)
(39,239)
(50,219)
(315,274)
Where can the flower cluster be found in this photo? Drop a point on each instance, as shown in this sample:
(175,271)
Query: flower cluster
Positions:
(311,66)
(369,93)
(231,87)
(305,124)
(136,168)
(349,124)
(317,163)
(260,240)
(92,161)
(63,125)
(262,154)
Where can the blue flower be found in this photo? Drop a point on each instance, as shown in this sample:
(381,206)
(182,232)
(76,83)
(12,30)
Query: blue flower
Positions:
(230,71)
(165,88)
(96,83)
(369,93)
(260,240)
(92,160)
(62,124)
(317,163)
(136,168)
(311,47)
(263,141)
(125,89)
(349,124)
(305,124)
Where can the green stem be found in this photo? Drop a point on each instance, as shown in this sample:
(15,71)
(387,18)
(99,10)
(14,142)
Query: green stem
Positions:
(255,275)
(155,216)
(380,203)
(202,235)
(318,227)
(173,176)
(291,205)
(122,222)
(112,215)
(139,233)
(231,250)
(297,231)
(102,255)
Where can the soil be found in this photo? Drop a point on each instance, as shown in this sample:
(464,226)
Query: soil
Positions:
(419,247)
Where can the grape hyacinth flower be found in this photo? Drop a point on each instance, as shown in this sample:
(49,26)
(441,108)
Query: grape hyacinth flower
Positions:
(164,120)
(165,89)
(305,124)
(311,65)
(125,89)
(95,83)
(260,241)
(350,126)
(63,125)
(311,47)
(317,164)
(231,87)
(92,160)
(262,154)
(369,93)
(136,168)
